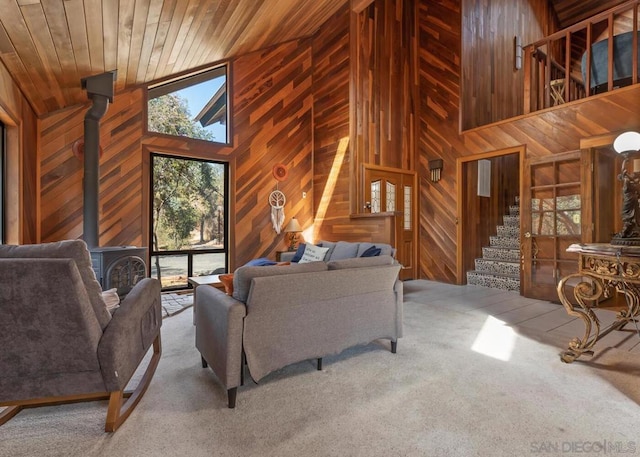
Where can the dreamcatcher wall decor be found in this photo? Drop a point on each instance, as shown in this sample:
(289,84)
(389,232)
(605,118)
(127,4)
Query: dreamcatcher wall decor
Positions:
(277,199)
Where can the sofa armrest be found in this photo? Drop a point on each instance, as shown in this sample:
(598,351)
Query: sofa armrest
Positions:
(130,333)
(219,326)
(398,288)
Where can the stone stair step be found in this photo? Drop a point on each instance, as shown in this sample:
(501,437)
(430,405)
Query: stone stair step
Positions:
(504,242)
(498,267)
(512,221)
(495,281)
(508,231)
(514,210)
(495,253)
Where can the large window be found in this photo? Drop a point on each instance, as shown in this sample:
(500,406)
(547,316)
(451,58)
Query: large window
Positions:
(194,106)
(189,229)
(3,179)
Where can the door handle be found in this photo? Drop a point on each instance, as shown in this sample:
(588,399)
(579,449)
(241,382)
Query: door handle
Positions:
(527,235)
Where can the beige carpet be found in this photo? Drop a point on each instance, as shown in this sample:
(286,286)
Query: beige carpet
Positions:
(436,397)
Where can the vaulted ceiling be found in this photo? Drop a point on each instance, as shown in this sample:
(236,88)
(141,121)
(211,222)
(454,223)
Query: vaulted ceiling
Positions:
(49,45)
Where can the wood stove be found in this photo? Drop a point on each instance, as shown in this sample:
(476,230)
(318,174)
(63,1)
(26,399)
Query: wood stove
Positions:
(119,267)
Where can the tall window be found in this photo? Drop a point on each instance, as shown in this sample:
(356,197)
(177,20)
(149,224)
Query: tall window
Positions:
(194,106)
(189,229)
(3,170)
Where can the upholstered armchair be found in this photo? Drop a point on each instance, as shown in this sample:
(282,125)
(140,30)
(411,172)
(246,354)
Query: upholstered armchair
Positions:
(58,341)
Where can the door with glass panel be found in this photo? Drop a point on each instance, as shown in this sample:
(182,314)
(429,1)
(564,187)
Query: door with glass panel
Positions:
(392,191)
(553,219)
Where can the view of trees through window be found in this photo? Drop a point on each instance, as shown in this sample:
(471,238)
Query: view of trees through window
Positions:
(188,233)
(193,107)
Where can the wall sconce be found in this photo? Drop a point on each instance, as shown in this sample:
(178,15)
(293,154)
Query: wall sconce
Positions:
(626,144)
(292,229)
(517,47)
(435,168)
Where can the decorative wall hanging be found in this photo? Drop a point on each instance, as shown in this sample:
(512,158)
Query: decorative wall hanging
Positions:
(277,199)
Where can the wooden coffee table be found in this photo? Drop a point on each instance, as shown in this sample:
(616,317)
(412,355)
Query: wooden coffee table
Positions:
(197,281)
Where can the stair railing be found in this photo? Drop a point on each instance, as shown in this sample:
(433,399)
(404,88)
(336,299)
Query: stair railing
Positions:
(553,73)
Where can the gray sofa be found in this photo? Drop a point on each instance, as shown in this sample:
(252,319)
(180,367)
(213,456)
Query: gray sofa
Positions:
(339,250)
(280,315)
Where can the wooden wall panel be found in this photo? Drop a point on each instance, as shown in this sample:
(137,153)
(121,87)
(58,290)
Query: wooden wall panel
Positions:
(21,162)
(61,173)
(385,90)
(554,131)
(272,118)
(491,86)
(365,92)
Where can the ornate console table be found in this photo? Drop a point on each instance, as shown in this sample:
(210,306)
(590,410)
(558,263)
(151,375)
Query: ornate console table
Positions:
(603,271)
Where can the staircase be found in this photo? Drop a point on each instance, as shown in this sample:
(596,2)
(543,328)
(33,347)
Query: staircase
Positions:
(499,266)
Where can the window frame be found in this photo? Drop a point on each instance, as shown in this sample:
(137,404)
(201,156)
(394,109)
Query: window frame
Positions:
(182,81)
(188,252)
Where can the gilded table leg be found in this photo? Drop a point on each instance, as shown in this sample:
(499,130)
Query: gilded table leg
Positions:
(587,290)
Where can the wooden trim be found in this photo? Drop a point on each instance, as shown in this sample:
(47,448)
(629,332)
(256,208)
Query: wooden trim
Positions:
(9,412)
(597,141)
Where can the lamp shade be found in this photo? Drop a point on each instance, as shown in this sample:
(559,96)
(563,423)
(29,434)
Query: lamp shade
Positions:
(293,226)
(626,142)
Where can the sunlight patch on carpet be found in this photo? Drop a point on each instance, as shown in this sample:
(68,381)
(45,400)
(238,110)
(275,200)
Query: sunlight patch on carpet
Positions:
(495,340)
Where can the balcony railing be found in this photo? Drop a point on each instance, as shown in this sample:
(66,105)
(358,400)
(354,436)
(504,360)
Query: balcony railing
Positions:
(555,68)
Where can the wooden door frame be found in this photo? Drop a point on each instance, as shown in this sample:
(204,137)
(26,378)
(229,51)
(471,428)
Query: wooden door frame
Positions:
(414,204)
(460,221)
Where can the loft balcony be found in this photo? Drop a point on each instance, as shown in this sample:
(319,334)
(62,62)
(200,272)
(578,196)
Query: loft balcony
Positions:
(555,67)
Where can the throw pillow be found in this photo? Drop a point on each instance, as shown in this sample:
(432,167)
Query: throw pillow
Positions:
(111,299)
(227,282)
(261,262)
(371,252)
(313,253)
(299,252)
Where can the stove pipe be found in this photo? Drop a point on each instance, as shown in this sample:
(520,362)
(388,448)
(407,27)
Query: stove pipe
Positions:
(100,91)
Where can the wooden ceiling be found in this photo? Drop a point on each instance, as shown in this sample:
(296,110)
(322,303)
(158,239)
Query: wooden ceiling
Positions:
(570,12)
(49,45)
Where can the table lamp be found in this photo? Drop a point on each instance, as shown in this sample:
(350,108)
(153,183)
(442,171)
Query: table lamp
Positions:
(292,229)
(626,144)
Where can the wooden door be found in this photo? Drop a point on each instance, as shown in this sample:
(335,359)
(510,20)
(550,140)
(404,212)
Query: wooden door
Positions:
(552,220)
(392,191)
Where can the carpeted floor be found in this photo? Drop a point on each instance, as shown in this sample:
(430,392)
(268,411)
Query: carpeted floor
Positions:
(436,397)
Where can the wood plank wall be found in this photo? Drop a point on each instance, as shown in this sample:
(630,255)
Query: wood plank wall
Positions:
(365,92)
(550,132)
(21,167)
(383,65)
(491,86)
(272,114)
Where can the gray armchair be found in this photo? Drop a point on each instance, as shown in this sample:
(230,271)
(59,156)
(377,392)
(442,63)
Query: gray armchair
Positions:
(60,343)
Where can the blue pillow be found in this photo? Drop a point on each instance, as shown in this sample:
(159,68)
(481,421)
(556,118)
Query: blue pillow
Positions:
(371,252)
(261,262)
(299,252)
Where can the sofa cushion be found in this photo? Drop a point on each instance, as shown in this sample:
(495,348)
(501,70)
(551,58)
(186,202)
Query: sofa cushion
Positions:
(344,250)
(68,249)
(371,252)
(299,252)
(327,244)
(313,253)
(242,276)
(386,249)
(360,262)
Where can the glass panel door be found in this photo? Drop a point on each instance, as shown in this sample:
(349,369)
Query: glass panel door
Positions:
(552,193)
